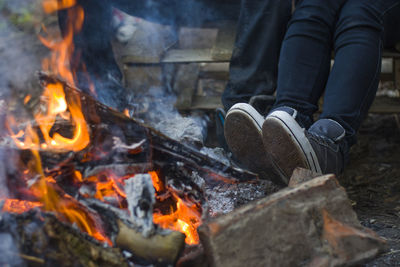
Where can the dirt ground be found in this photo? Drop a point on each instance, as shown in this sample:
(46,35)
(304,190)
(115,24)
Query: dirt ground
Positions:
(372,181)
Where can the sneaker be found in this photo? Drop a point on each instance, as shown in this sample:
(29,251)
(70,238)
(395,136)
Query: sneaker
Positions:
(290,146)
(243,135)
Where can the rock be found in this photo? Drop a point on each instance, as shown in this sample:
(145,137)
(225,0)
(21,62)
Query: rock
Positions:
(301,175)
(312,224)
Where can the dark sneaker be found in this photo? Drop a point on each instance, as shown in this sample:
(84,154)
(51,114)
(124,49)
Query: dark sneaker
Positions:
(243,134)
(326,137)
(291,146)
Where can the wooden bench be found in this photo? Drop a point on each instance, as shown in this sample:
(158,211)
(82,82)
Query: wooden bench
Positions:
(221,52)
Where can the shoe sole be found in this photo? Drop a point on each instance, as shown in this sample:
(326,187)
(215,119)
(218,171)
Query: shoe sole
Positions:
(243,134)
(285,142)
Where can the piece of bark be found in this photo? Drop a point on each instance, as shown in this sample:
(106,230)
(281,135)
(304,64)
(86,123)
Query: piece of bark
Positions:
(163,246)
(313,222)
(301,175)
(158,248)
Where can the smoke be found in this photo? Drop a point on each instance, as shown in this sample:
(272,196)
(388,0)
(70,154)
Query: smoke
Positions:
(148,29)
(8,251)
(20,50)
(20,54)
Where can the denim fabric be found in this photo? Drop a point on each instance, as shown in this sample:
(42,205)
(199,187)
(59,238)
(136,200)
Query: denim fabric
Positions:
(254,64)
(353,29)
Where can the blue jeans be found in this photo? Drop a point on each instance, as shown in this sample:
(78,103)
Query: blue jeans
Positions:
(353,29)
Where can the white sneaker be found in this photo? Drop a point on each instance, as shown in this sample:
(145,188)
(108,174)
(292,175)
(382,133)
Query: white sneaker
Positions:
(243,134)
(286,143)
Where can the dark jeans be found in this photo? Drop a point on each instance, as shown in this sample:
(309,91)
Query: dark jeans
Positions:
(353,29)
(254,63)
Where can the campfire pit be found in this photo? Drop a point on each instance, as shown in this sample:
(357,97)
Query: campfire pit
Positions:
(95,188)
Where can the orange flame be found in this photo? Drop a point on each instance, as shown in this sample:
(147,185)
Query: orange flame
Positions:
(62,51)
(50,6)
(64,206)
(185,219)
(56,107)
(44,189)
(184,216)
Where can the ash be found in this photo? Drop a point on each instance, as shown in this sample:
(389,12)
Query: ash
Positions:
(224,198)
(217,153)
(157,110)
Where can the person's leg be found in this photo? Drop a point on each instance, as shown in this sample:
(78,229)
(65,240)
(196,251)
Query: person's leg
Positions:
(253,71)
(305,56)
(349,92)
(302,74)
(392,27)
(354,78)
(254,63)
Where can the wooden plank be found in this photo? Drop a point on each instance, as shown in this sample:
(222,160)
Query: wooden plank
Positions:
(195,56)
(206,102)
(385,105)
(200,55)
(381,105)
(186,84)
(396,72)
(391,53)
(225,40)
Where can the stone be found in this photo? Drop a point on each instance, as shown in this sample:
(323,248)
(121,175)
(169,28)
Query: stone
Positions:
(312,224)
(301,175)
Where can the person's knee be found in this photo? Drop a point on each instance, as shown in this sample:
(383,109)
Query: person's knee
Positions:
(314,12)
(359,14)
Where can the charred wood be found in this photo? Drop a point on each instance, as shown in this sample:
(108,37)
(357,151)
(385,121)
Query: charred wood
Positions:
(162,246)
(41,238)
(106,123)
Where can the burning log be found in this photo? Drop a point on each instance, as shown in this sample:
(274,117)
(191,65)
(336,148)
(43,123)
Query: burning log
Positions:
(310,224)
(42,239)
(157,148)
(157,248)
(78,153)
(161,246)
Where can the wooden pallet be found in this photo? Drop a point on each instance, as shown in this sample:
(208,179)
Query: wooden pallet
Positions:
(221,52)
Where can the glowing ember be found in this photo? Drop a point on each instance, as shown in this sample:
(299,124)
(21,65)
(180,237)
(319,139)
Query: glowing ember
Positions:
(19,206)
(186,219)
